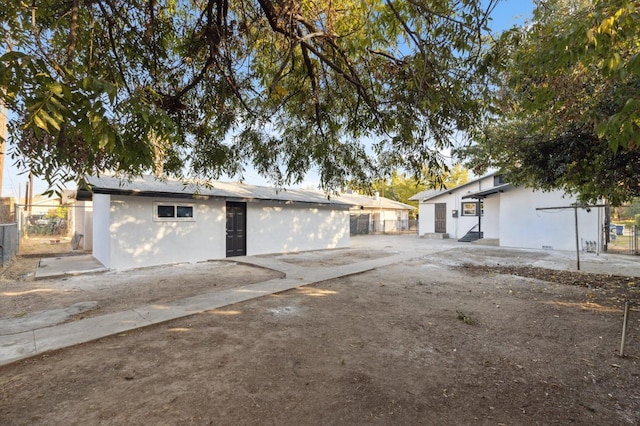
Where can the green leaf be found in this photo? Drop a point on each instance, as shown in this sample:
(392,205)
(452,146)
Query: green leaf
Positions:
(50,120)
(40,123)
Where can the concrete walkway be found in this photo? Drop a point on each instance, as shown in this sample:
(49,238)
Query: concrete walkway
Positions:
(50,267)
(21,339)
(26,343)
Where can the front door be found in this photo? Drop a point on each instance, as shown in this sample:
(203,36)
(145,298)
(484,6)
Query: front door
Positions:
(441,217)
(236,229)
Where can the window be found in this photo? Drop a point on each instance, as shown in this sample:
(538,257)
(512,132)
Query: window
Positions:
(498,180)
(471,208)
(184,211)
(173,212)
(166,211)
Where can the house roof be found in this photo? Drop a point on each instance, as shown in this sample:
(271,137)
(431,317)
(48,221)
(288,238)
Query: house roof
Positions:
(427,194)
(151,186)
(433,193)
(487,192)
(366,202)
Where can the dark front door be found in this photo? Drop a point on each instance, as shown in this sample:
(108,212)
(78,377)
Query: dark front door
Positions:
(236,229)
(441,217)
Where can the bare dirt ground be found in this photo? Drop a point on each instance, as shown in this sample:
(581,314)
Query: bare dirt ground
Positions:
(46,244)
(445,339)
(20,294)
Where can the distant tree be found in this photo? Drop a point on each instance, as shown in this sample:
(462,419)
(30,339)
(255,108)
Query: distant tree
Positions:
(60,212)
(401,185)
(630,210)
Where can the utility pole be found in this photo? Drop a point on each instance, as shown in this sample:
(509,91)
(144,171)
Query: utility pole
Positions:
(29,200)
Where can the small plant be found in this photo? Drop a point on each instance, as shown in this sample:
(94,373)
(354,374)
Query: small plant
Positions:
(465,318)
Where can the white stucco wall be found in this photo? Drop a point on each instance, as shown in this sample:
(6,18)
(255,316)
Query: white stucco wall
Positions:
(281,228)
(138,240)
(77,217)
(83,223)
(456,226)
(491,218)
(101,223)
(512,217)
(426,222)
(524,226)
(87,241)
(134,239)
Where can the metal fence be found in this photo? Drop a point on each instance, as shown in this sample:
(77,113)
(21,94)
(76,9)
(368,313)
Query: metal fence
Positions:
(363,224)
(624,240)
(8,241)
(633,242)
(54,222)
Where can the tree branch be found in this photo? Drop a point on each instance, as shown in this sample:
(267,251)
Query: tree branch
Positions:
(107,17)
(73,33)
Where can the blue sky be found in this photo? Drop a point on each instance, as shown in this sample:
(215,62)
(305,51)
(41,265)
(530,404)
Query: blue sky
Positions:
(506,14)
(511,12)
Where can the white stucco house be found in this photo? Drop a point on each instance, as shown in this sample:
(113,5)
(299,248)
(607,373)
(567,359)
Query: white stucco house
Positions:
(510,216)
(147,221)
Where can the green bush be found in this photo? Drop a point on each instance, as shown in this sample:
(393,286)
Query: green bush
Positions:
(637,220)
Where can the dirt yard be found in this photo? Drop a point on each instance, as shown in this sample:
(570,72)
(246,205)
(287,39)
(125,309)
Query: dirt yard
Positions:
(445,339)
(20,294)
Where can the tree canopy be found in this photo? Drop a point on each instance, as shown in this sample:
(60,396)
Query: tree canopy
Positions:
(566,105)
(198,88)
(400,186)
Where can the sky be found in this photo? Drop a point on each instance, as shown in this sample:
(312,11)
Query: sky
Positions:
(506,14)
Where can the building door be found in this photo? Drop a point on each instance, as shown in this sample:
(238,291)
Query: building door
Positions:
(441,217)
(236,229)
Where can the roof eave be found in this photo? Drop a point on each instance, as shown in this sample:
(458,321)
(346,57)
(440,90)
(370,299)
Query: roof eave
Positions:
(488,192)
(190,196)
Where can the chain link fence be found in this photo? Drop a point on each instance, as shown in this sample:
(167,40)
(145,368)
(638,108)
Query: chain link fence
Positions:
(624,240)
(363,224)
(53,222)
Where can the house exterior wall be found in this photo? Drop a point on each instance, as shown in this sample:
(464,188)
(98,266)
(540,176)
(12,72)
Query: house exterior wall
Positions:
(458,226)
(512,217)
(137,239)
(101,232)
(87,241)
(491,218)
(82,212)
(134,238)
(426,215)
(278,228)
(524,226)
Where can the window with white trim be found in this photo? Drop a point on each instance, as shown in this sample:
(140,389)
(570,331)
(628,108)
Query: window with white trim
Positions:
(173,212)
(471,208)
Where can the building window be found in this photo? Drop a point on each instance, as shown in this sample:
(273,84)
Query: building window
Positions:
(184,211)
(498,180)
(173,212)
(471,208)
(165,211)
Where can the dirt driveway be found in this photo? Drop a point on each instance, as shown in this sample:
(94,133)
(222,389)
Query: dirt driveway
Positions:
(456,336)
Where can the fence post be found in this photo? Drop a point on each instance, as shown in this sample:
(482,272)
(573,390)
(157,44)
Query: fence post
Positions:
(2,244)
